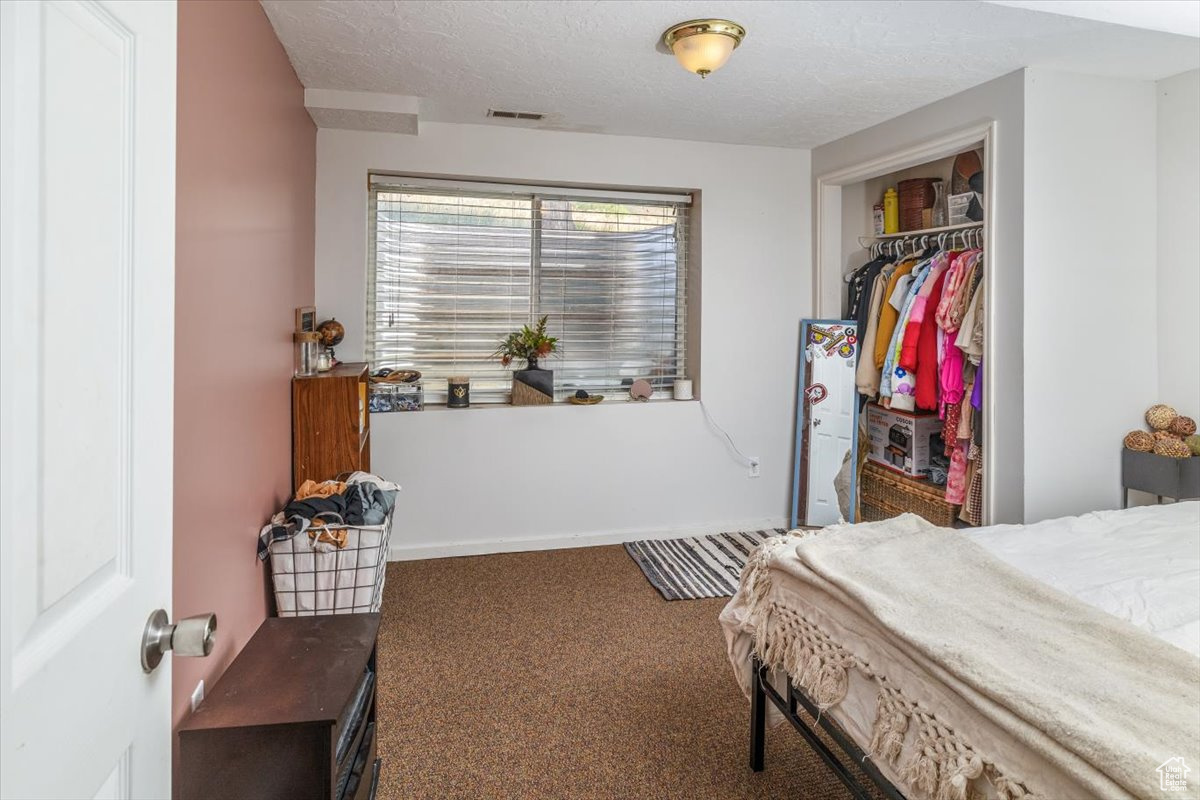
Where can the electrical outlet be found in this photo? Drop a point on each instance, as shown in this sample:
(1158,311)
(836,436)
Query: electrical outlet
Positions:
(755,470)
(197,694)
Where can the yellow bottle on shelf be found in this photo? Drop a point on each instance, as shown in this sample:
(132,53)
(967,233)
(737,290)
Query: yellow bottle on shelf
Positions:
(891,212)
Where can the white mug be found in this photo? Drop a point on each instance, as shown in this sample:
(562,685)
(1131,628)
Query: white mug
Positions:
(683,389)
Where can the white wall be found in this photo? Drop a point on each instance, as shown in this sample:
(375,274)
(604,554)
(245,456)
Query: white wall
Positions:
(1001,100)
(1179,242)
(1090,333)
(488,479)
(1076,292)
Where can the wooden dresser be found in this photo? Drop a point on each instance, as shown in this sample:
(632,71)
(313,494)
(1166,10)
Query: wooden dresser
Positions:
(331,424)
(292,718)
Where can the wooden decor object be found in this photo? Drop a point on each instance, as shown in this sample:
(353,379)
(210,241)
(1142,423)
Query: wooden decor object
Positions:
(331,424)
(533,387)
(293,716)
(306,318)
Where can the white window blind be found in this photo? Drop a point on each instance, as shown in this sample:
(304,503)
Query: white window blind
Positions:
(454,267)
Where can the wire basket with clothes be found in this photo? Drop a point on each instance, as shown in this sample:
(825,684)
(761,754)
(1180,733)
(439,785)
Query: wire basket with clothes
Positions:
(328,546)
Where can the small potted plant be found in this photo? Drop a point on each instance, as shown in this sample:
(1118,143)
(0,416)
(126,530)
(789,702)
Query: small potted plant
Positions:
(532,385)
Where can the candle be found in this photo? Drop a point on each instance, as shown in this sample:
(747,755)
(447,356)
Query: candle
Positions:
(459,394)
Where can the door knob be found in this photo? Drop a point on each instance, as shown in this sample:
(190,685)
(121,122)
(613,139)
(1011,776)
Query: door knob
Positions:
(191,636)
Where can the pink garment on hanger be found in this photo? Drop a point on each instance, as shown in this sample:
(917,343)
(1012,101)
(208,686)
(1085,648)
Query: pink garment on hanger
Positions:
(951,378)
(971,276)
(955,284)
(956,479)
(953,278)
(912,332)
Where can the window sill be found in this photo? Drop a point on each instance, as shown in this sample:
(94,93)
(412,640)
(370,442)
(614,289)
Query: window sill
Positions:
(608,402)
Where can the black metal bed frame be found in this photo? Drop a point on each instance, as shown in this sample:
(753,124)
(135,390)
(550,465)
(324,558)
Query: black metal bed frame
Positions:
(763,691)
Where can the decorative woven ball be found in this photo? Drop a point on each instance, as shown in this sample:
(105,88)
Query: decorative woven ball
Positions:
(1163,435)
(1172,448)
(1159,417)
(1182,426)
(1140,441)
(1193,444)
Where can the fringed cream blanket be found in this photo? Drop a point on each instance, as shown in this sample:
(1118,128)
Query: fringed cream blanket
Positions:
(986,682)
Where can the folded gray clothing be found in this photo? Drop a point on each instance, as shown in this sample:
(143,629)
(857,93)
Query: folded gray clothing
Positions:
(376,502)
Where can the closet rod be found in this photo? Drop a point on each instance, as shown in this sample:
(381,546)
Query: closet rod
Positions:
(917,241)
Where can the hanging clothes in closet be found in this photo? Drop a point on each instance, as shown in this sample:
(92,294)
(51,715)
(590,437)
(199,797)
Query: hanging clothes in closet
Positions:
(920,308)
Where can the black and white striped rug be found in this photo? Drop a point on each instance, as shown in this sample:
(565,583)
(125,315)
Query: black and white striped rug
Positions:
(697,567)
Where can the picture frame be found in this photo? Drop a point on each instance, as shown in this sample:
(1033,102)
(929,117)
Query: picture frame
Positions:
(306,319)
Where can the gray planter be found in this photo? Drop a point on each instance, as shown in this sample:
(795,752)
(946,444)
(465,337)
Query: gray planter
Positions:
(1177,478)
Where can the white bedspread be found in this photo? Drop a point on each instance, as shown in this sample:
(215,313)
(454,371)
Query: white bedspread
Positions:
(1141,565)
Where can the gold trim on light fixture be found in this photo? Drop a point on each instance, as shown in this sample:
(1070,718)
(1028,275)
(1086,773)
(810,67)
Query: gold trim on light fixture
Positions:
(695,26)
(703,63)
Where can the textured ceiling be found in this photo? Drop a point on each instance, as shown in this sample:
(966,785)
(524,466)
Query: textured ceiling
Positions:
(807,73)
(1172,16)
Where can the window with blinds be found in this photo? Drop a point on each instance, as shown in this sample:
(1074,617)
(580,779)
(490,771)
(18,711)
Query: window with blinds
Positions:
(455,266)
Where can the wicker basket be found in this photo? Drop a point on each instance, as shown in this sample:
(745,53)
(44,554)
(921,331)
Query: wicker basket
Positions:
(886,494)
(916,195)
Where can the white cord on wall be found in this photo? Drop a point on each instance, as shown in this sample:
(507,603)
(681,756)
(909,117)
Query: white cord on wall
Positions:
(749,461)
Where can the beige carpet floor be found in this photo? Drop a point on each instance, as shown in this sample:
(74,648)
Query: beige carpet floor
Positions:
(563,674)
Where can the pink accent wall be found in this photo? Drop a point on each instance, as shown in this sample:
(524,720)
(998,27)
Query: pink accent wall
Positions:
(244,215)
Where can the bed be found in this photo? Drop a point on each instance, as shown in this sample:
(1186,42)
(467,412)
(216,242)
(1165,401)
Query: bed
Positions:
(1050,661)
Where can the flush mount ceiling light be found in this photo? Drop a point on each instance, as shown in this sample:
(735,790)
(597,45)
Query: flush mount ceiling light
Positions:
(703,45)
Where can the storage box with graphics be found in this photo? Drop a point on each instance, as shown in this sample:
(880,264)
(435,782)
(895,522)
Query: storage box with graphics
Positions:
(901,440)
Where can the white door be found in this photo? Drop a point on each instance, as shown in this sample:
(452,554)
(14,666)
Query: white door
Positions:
(87,254)
(831,420)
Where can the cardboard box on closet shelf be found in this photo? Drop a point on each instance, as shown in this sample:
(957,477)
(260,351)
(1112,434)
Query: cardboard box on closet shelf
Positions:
(900,440)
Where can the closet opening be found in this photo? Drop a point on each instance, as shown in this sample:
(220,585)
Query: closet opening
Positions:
(904,251)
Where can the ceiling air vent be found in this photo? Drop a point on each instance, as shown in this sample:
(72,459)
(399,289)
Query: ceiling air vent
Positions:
(526,115)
